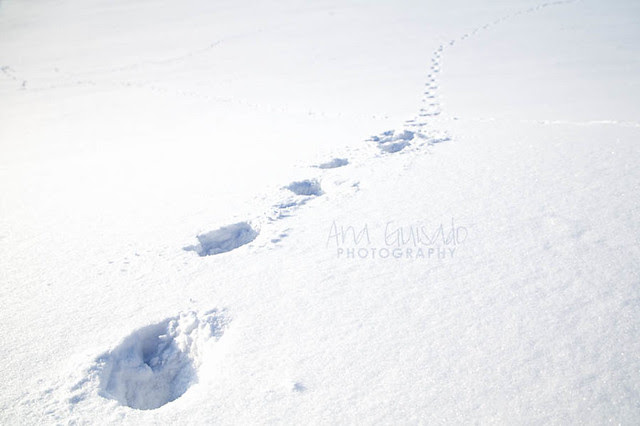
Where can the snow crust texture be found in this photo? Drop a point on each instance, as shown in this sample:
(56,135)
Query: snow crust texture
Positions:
(158,363)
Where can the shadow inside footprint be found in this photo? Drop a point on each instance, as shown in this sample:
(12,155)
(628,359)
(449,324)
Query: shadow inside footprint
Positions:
(305,187)
(224,239)
(158,363)
(394,147)
(335,163)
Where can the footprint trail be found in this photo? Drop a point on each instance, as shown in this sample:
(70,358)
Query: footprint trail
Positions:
(417,132)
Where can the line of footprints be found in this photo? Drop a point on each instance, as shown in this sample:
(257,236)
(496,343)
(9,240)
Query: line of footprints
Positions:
(416,132)
(158,363)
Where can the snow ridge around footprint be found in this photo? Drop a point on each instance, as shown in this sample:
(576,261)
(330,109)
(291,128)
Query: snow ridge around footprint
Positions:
(158,363)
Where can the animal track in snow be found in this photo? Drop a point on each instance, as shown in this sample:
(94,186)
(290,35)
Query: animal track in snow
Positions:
(9,73)
(224,239)
(158,363)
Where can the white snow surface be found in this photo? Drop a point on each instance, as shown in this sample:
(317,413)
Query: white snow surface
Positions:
(320,212)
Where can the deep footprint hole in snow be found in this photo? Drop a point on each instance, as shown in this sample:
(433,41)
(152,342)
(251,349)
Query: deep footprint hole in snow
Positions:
(224,239)
(157,364)
(307,187)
